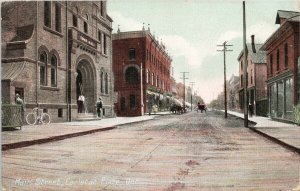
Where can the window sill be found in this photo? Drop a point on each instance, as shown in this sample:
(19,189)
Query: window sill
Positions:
(52,31)
(49,88)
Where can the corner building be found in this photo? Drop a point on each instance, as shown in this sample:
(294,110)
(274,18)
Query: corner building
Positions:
(141,68)
(53,51)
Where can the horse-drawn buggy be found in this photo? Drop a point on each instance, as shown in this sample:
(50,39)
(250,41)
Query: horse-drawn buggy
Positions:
(201,107)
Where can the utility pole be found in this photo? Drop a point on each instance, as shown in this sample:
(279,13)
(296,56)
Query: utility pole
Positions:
(225,89)
(184,78)
(192,84)
(245,68)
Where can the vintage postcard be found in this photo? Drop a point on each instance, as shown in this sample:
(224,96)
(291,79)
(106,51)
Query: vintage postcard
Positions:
(150,95)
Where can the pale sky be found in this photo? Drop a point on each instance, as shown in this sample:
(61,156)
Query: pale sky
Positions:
(191,30)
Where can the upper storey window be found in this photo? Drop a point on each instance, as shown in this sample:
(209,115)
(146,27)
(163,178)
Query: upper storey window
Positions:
(57,17)
(132,54)
(85,24)
(47,14)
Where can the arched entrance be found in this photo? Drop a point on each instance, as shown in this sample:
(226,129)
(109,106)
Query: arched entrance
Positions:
(85,84)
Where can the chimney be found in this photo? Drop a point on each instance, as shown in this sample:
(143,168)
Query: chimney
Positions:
(253,44)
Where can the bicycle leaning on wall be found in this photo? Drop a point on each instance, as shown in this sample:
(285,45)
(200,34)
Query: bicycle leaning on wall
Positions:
(37,116)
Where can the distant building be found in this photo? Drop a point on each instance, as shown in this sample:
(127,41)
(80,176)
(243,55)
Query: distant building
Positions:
(232,100)
(283,61)
(256,78)
(142,71)
(53,51)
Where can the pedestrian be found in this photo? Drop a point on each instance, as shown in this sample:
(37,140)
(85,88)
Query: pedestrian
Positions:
(149,105)
(20,102)
(99,107)
(81,100)
(250,109)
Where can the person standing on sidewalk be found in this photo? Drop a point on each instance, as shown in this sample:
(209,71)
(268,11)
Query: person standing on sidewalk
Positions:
(99,107)
(250,110)
(20,102)
(81,100)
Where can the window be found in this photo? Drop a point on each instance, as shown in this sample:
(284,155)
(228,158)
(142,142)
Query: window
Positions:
(99,36)
(271,64)
(286,55)
(122,103)
(106,83)
(131,75)
(241,65)
(47,14)
(132,102)
(102,8)
(147,76)
(101,82)
(60,113)
(43,69)
(104,44)
(132,54)
(57,17)
(152,79)
(53,71)
(75,21)
(277,60)
(251,77)
(85,26)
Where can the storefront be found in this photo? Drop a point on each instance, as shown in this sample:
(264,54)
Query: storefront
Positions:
(281,98)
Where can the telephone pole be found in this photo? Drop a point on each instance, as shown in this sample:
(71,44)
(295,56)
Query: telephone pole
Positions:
(184,78)
(225,89)
(192,84)
(245,68)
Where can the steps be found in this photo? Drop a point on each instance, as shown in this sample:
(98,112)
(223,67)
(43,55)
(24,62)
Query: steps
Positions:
(86,117)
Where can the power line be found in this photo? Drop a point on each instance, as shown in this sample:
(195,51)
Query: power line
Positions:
(224,50)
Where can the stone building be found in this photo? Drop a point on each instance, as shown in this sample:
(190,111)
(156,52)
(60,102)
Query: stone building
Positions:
(53,51)
(142,69)
(256,78)
(283,61)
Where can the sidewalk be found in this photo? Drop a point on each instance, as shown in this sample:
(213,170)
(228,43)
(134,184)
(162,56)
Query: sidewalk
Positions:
(37,134)
(283,133)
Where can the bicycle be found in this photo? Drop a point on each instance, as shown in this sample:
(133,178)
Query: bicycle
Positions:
(37,116)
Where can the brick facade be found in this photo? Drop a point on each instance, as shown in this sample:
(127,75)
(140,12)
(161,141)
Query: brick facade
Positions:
(283,62)
(130,51)
(75,39)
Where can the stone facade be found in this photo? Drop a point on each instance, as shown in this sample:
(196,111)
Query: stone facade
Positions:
(283,61)
(52,51)
(133,51)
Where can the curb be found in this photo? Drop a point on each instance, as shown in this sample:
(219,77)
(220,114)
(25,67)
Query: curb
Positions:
(9,146)
(278,141)
(273,139)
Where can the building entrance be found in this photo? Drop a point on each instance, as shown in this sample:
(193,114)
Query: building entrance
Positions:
(85,86)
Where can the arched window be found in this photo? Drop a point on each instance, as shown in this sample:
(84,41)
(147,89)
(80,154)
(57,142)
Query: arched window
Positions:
(106,83)
(75,17)
(53,71)
(43,68)
(101,82)
(131,75)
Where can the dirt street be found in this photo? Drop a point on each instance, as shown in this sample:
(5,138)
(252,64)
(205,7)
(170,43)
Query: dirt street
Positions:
(194,151)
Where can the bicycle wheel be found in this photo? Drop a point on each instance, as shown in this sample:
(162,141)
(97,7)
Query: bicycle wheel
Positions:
(45,118)
(31,119)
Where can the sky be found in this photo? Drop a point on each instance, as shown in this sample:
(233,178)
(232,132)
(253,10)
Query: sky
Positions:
(192,29)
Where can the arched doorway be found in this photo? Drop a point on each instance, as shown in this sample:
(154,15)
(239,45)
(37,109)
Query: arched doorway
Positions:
(85,84)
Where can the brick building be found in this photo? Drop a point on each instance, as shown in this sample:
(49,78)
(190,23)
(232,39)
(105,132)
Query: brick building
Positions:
(283,61)
(52,51)
(256,78)
(141,67)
